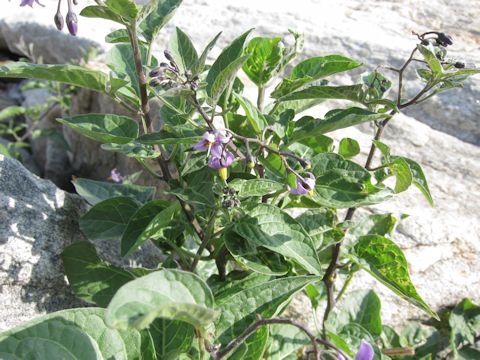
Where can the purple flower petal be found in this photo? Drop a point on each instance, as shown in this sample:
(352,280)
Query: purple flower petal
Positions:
(309,181)
(228,159)
(72,23)
(216,150)
(116,176)
(221,137)
(200,146)
(30,3)
(214,163)
(304,185)
(365,351)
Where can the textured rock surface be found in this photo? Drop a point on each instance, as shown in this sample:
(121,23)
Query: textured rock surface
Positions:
(37,220)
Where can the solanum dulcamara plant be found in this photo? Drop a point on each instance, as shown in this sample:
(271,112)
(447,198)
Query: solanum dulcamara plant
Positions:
(259,205)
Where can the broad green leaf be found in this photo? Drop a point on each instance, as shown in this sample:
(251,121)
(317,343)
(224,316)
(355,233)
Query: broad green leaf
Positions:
(274,166)
(418,178)
(106,128)
(255,258)
(133,149)
(378,84)
(225,78)
(308,127)
(255,117)
(108,219)
(171,338)
(117,36)
(183,51)
(239,306)
(67,74)
(468,353)
(265,59)
(464,321)
(121,60)
(267,226)
(92,280)
(230,55)
(12,111)
(298,106)
(376,224)
(348,148)
(384,149)
(253,347)
(198,190)
(313,69)
(124,8)
(155,15)
(255,187)
(361,307)
(152,221)
(200,64)
(74,334)
(101,12)
(323,92)
(318,144)
(432,61)
(168,294)
(95,191)
(385,261)
(287,340)
(317,223)
(401,170)
(342,183)
(165,138)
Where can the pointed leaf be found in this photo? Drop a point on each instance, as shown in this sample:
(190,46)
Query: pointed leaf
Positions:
(403,174)
(265,59)
(200,64)
(267,226)
(124,8)
(418,178)
(155,15)
(168,294)
(107,128)
(171,338)
(349,92)
(183,51)
(225,78)
(255,117)
(101,12)
(96,191)
(108,219)
(255,187)
(385,261)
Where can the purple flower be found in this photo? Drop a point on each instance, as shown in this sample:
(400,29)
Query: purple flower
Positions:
(365,351)
(213,142)
(30,3)
(223,161)
(304,185)
(116,176)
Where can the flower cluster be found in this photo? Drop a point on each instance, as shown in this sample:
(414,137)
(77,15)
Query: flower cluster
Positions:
(71,18)
(215,144)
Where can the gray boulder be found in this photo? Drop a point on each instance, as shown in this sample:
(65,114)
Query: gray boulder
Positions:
(38,221)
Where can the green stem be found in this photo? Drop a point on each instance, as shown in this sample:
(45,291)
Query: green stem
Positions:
(345,286)
(260,98)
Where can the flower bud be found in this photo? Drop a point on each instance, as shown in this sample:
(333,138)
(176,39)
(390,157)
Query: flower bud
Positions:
(155,82)
(72,23)
(168,56)
(459,65)
(444,39)
(59,21)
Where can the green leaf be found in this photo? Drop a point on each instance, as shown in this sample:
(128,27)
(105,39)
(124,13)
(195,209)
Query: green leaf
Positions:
(287,340)
(92,279)
(223,66)
(239,305)
(168,294)
(464,321)
(253,347)
(124,8)
(255,117)
(342,183)
(155,15)
(255,258)
(199,191)
(166,138)
(200,64)
(432,61)
(348,148)
(225,78)
(171,338)
(385,261)
(101,12)
(133,149)
(418,177)
(117,36)
(361,307)
(67,74)
(96,191)
(265,59)
(106,128)
(318,144)
(403,175)
(183,50)
(308,127)
(317,223)
(76,334)
(108,219)
(323,92)
(313,69)
(267,226)
(384,149)
(152,221)
(12,111)
(255,187)
(376,224)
